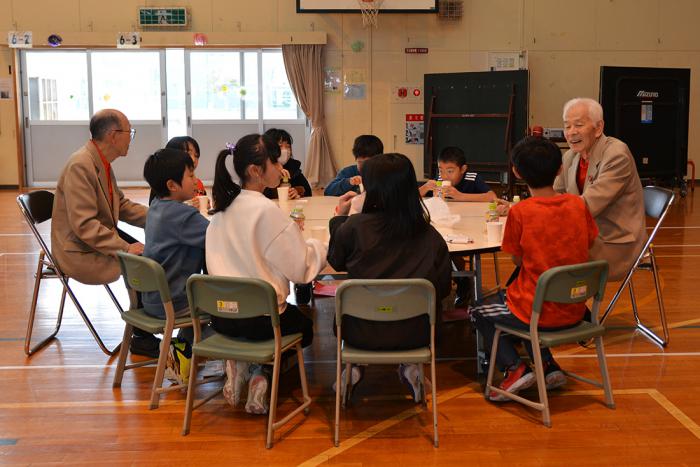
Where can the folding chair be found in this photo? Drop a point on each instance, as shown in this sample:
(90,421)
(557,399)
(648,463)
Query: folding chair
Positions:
(37,207)
(656,203)
(384,300)
(563,284)
(145,275)
(237,298)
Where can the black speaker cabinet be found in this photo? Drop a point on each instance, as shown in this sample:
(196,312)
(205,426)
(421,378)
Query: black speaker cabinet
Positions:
(647,108)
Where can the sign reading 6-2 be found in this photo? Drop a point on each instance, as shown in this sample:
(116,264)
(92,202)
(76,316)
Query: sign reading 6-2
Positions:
(19,39)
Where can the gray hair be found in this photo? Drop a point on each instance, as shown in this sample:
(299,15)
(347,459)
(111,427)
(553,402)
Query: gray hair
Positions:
(595,110)
(103,122)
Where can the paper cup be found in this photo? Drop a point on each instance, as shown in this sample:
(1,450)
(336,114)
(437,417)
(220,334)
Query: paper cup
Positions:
(203,205)
(494,232)
(283,194)
(319,233)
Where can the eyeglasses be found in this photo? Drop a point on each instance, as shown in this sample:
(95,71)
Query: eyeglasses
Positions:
(131,132)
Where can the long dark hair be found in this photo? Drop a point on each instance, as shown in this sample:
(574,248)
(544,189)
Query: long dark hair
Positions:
(390,183)
(180,142)
(252,149)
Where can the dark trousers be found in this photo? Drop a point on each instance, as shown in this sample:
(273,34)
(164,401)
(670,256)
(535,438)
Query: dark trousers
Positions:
(366,334)
(260,328)
(485,318)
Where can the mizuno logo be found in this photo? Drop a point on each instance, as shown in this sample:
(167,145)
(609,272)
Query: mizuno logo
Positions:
(647,94)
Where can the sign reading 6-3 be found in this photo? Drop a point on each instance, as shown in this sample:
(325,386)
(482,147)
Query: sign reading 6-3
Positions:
(128,40)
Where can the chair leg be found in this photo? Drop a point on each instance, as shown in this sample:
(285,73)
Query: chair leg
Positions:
(28,349)
(492,363)
(660,303)
(302,377)
(121,363)
(114,299)
(433,385)
(160,369)
(191,387)
(604,372)
(87,321)
(347,382)
(273,399)
(541,386)
(337,393)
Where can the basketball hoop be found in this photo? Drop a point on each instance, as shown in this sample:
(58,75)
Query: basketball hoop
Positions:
(370,11)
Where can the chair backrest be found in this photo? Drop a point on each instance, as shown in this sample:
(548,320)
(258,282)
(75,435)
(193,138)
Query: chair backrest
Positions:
(575,283)
(385,299)
(231,297)
(37,207)
(143,275)
(657,201)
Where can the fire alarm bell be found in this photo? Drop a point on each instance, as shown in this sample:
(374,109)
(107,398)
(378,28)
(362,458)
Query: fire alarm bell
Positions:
(416,92)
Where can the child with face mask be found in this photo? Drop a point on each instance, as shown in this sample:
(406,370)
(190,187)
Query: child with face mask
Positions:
(291,168)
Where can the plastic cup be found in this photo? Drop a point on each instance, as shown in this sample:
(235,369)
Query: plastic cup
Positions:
(319,233)
(203,205)
(283,194)
(494,232)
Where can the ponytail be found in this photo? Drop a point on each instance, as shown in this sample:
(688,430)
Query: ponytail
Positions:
(225,189)
(251,149)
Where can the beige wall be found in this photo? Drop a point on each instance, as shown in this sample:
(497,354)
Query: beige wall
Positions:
(567,41)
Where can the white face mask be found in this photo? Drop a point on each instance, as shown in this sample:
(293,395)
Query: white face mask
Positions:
(284,156)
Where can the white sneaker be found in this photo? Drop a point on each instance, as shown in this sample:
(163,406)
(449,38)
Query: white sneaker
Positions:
(355,377)
(237,374)
(257,393)
(409,374)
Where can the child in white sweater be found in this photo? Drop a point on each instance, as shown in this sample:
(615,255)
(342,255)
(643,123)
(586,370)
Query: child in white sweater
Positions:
(249,236)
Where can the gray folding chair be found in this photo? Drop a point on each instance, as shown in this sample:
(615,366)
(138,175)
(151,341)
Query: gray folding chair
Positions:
(563,284)
(384,300)
(145,275)
(656,204)
(37,207)
(238,298)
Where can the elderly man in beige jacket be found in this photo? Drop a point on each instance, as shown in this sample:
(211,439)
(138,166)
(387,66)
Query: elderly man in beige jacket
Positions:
(602,170)
(87,207)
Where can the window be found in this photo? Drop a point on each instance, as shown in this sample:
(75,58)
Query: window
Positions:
(278,99)
(226,85)
(58,88)
(128,81)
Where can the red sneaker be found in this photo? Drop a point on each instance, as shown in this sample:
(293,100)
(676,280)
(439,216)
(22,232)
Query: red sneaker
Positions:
(515,380)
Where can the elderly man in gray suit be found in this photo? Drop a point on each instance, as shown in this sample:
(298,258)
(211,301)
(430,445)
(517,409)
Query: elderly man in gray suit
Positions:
(602,170)
(88,204)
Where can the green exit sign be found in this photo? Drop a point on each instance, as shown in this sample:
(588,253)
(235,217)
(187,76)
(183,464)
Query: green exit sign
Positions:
(163,17)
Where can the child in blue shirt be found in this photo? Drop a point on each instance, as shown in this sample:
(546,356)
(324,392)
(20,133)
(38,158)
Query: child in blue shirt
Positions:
(175,235)
(464,186)
(349,179)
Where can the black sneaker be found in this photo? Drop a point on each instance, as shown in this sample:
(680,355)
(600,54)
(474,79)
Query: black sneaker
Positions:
(302,292)
(148,346)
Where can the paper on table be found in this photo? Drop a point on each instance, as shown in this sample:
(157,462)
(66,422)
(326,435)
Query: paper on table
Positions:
(440,212)
(455,238)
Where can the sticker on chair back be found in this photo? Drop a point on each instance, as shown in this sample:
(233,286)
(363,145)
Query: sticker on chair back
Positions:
(135,282)
(385,309)
(579,291)
(226,307)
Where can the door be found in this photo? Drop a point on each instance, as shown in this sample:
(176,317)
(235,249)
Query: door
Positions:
(61,90)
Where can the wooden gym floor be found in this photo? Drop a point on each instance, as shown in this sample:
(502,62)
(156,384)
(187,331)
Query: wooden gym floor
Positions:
(59,405)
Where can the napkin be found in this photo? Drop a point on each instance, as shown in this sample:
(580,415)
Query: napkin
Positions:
(440,212)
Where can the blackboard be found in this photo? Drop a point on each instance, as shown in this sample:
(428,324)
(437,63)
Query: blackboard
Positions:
(482,139)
